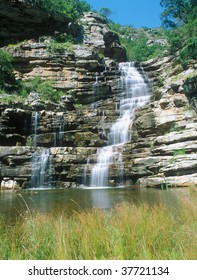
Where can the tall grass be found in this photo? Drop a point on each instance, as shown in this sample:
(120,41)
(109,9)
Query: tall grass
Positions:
(127,232)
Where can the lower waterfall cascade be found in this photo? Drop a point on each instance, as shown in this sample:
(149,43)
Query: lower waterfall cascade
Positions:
(40,163)
(135,94)
(41,169)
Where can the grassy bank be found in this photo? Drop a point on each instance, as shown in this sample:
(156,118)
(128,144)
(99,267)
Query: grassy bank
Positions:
(127,232)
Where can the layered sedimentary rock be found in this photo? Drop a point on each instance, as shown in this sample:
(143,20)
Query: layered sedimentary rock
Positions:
(20,20)
(163,150)
(161,153)
(163,145)
(87,76)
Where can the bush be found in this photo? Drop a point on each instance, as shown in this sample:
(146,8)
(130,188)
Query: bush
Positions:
(60,48)
(180,16)
(6,69)
(138,50)
(45,89)
(188,52)
(135,41)
(183,40)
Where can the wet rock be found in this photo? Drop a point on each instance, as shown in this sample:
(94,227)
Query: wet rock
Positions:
(171,181)
(9,184)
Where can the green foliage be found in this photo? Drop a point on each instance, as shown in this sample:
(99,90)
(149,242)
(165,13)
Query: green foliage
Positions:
(188,52)
(7,99)
(45,89)
(60,48)
(122,30)
(71,8)
(138,50)
(135,41)
(177,12)
(179,152)
(182,37)
(78,106)
(6,69)
(165,186)
(29,141)
(105,12)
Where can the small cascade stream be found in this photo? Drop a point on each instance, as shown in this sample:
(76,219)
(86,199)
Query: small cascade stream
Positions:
(41,160)
(135,94)
(41,169)
(34,127)
(58,132)
(96,85)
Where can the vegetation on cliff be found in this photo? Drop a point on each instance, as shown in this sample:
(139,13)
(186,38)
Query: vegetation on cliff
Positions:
(179,39)
(180,17)
(141,44)
(71,8)
(179,32)
(6,69)
(178,12)
(44,88)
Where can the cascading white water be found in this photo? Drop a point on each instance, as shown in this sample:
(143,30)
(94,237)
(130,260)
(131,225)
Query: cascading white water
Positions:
(34,125)
(58,132)
(96,85)
(41,169)
(41,160)
(135,94)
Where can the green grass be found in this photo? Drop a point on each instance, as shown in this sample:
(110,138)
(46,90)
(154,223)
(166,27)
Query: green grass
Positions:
(127,232)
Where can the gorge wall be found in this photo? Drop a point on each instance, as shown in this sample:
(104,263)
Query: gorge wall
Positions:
(163,146)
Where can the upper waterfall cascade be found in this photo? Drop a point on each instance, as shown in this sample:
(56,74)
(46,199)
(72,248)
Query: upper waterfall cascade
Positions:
(135,94)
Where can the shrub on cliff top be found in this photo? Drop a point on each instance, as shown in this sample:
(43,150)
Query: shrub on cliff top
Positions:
(71,8)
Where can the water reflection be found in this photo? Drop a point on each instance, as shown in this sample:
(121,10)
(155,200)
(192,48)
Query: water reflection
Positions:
(67,201)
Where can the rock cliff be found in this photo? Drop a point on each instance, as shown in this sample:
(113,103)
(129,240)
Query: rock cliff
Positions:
(73,128)
(162,150)
(20,20)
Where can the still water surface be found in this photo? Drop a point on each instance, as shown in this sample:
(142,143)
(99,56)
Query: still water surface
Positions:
(53,201)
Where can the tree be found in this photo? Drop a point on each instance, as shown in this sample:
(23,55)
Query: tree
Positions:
(177,12)
(180,16)
(105,12)
(71,8)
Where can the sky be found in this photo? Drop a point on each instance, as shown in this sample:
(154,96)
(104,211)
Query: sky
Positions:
(137,13)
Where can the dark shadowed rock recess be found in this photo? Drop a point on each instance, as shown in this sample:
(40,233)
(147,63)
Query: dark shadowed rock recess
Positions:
(61,139)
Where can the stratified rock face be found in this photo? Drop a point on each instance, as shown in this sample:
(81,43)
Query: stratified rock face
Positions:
(64,137)
(70,136)
(89,76)
(164,146)
(79,70)
(161,153)
(97,35)
(19,20)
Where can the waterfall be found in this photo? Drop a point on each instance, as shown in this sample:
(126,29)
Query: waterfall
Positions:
(61,131)
(41,169)
(34,127)
(134,95)
(58,132)
(41,161)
